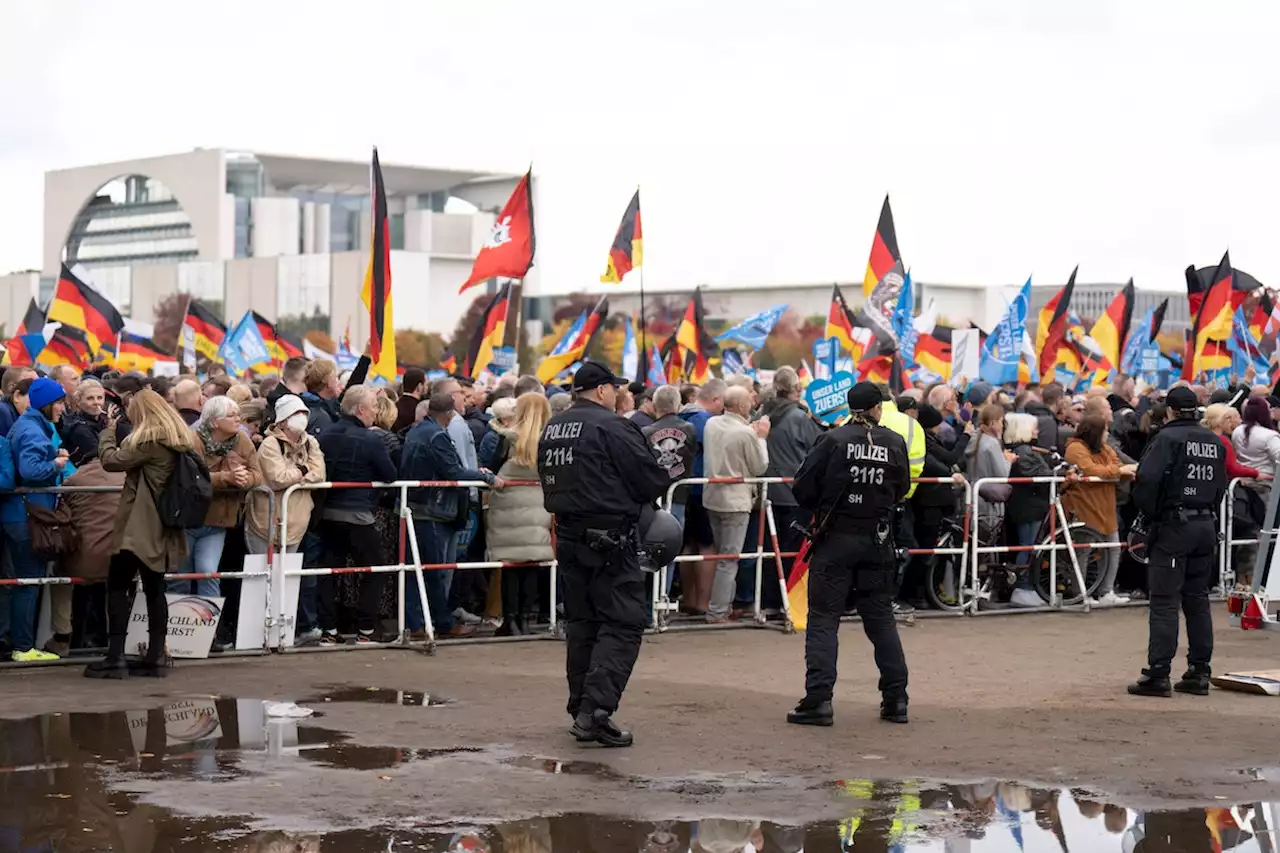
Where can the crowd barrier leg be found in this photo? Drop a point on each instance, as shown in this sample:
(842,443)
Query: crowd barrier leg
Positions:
(759,579)
(1073,557)
(789,626)
(407,514)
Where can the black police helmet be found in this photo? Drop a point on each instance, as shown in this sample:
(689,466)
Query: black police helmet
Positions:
(661,536)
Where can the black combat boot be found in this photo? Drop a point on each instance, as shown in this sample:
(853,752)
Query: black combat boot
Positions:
(113,665)
(1151,685)
(811,714)
(893,710)
(597,727)
(1194,681)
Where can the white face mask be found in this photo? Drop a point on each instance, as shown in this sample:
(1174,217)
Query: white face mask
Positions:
(297,423)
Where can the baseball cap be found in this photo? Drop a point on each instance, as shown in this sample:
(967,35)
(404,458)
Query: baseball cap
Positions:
(593,375)
(1182,398)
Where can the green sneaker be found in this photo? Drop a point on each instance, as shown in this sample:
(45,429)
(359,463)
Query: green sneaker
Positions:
(34,656)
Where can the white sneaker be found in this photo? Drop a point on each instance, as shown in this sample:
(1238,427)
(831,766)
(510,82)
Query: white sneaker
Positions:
(311,635)
(466,618)
(1108,600)
(1026,598)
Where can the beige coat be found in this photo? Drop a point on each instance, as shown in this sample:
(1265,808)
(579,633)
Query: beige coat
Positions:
(227,497)
(138,528)
(731,448)
(281,461)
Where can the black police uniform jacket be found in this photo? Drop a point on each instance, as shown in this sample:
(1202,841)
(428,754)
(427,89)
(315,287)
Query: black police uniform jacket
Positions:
(596,467)
(1184,466)
(861,479)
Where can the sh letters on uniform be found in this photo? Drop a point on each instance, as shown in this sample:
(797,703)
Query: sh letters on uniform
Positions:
(1197,474)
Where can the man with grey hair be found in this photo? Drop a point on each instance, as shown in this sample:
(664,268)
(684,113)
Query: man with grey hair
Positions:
(353,454)
(733,449)
(943,398)
(559,402)
(709,402)
(792,434)
(526,384)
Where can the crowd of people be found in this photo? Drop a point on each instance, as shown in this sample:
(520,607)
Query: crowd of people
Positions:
(310,424)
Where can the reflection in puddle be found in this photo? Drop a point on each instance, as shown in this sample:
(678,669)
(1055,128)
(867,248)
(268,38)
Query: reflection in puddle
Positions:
(64,782)
(376,696)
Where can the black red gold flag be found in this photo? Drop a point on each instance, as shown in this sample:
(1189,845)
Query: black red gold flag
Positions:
(79,306)
(627,251)
(696,343)
(1212,325)
(553,365)
(508,253)
(69,345)
(489,333)
(1051,332)
(376,293)
(884,251)
(209,331)
(1110,333)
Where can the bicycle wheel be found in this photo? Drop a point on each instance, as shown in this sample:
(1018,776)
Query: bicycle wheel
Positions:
(943,575)
(1091,567)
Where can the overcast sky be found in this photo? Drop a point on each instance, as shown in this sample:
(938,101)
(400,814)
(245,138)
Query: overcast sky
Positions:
(1132,137)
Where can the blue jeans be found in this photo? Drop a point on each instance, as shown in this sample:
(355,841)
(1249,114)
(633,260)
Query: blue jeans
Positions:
(20,612)
(204,550)
(1025,534)
(434,541)
(745,593)
(308,601)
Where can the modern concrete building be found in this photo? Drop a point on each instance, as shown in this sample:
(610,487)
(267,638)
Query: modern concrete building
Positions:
(285,236)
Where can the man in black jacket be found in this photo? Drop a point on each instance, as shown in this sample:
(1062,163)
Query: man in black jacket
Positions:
(932,503)
(293,380)
(353,454)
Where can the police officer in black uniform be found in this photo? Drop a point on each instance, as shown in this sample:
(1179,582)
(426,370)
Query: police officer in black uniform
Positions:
(850,481)
(1180,483)
(597,472)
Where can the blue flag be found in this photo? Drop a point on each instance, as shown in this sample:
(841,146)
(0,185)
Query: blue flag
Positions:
(1244,348)
(656,377)
(1003,349)
(753,330)
(1139,339)
(630,354)
(244,347)
(903,327)
(562,346)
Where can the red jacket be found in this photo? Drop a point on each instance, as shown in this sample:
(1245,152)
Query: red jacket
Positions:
(1234,468)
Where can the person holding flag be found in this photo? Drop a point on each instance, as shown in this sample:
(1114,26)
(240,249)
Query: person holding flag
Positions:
(850,483)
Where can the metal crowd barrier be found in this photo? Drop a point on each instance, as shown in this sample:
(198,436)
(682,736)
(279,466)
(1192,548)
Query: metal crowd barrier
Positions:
(1267,538)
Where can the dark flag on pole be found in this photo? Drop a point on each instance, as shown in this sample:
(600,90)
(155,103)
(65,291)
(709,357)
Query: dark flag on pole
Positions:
(627,251)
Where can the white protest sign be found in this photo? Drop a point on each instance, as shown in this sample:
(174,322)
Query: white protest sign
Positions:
(965,356)
(193,622)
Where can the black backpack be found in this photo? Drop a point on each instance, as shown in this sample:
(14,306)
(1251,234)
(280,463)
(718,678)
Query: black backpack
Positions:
(185,501)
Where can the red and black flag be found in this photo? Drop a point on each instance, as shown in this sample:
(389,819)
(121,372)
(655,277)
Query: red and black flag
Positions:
(553,365)
(489,335)
(697,346)
(69,345)
(32,322)
(79,306)
(209,331)
(627,251)
(1051,333)
(376,292)
(884,251)
(508,253)
(1206,343)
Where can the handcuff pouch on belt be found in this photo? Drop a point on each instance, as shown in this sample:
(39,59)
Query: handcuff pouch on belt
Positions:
(605,541)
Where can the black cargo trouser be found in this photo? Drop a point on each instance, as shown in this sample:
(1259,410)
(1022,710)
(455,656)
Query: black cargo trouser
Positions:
(843,562)
(927,521)
(1180,572)
(605,611)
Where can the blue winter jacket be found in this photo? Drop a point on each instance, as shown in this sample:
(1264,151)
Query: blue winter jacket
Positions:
(33,445)
(353,453)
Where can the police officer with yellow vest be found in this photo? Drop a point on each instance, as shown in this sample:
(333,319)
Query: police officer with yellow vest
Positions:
(913,434)
(851,481)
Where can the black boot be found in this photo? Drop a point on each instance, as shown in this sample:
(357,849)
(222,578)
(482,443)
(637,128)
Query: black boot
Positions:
(525,623)
(148,668)
(1151,685)
(1194,681)
(598,727)
(509,628)
(811,714)
(108,667)
(893,710)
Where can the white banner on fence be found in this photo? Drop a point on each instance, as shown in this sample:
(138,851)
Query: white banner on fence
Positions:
(251,624)
(284,599)
(193,622)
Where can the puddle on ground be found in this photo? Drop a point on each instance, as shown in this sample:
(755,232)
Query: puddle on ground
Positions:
(376,696)
(65,786)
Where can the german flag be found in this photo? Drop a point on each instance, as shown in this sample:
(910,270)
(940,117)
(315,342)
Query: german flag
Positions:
(933,351)
(840,320)
(1111,331)
(281,347)
(68,345)
(1051,334)
(1264,314)
(876,368)
(672,357)
(627,251)
(696,344)
(79,306)
(553,365)
(884,251)
(140,353)
(376,293)
(208,329)
(1200,280)
(25,346)
(106,356)
(1212,326)
(490,333)
(448,362)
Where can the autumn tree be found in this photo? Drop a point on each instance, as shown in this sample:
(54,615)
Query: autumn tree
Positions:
(168,314)
(418,348)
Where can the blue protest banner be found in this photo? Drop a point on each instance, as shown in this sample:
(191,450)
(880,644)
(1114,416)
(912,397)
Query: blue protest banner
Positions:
(828,398)
(504,360)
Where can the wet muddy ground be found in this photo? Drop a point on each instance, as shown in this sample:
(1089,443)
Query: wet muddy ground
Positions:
(1021,736)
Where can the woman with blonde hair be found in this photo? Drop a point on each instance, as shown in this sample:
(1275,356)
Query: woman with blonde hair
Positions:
(519,527)
(141,544)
